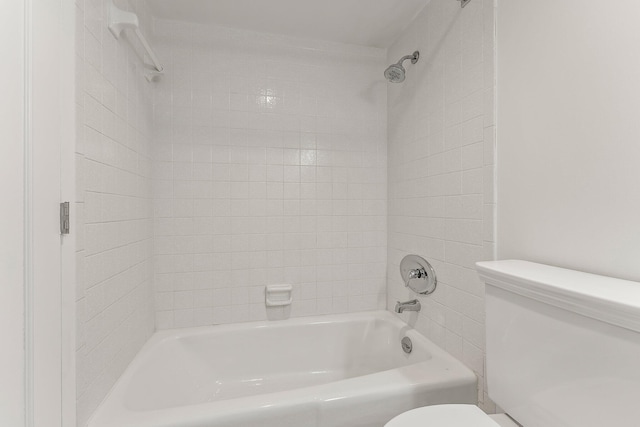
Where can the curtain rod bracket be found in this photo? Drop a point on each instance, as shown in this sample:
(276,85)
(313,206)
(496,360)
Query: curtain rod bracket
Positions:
(120,20)
(152,75)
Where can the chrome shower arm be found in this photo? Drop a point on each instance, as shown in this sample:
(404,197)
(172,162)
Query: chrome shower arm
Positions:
(414,58)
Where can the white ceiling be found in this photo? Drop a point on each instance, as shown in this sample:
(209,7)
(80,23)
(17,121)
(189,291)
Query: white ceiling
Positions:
(374,23)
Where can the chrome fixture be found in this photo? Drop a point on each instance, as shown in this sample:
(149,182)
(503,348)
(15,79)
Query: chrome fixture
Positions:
(407,345)
(463,3)
(64,218)
(396,73)
(413,305)
(418,274)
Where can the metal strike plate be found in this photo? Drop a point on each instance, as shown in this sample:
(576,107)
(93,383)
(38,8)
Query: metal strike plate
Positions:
(64,218)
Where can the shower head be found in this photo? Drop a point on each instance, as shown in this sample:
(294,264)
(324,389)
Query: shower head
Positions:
(395,73)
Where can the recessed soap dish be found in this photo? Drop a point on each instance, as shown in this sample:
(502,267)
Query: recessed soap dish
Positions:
(278,295)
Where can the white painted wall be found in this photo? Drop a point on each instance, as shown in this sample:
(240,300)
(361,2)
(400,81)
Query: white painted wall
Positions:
(269,167)
(569,134)
(361,22)
(12,82)
(36,117)
(441,172)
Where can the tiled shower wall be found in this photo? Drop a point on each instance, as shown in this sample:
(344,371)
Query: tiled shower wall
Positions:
(269,167)
(441,172)
(113,163)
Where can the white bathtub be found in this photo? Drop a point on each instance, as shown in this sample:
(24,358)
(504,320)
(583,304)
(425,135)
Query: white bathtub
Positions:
(326,371)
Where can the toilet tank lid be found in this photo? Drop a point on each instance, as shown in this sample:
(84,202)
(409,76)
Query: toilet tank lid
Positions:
(607,299)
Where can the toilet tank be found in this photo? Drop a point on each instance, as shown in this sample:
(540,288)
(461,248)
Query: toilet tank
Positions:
(563,347)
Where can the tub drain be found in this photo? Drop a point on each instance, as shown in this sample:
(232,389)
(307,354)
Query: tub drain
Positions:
(407,345)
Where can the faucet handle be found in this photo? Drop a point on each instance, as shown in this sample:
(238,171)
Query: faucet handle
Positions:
(416,274)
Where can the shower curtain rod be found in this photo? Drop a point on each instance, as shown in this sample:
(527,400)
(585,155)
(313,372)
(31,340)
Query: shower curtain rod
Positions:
(120,20)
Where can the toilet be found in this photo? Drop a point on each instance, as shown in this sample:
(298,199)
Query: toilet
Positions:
(563,350)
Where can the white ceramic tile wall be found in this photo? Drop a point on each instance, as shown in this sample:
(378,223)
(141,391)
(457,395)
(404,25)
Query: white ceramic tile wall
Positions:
(269,167)
(441,173)
(114,298)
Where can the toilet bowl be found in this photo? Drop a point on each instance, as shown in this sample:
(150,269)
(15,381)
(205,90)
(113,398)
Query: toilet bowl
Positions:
(450,416)
(562,350)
